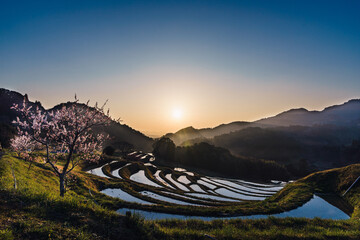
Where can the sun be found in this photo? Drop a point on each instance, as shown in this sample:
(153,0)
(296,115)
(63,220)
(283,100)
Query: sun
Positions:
(177,113)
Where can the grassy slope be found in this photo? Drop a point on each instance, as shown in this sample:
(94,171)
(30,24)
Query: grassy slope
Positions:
(337,181)
(35,211)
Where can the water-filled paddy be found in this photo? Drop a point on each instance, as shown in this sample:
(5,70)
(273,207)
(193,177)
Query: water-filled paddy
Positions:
(199,190)
(196,188)
(165,199)
(180,169)
(141,178)
(204,183)
(228,193)
(187,185)
(98,172)
(179,185)
(316,207)
(116,173)
(183,179)
(212,197)
(118,193)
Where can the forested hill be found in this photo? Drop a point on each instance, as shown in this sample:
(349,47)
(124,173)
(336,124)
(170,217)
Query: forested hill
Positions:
(7,99)
(190,133)
(120,134)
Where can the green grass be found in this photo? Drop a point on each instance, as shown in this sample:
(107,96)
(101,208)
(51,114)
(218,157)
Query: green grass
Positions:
(337,181)
(271,228)
(36,211)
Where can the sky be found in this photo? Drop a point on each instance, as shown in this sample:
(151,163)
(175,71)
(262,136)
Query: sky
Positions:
(165,65)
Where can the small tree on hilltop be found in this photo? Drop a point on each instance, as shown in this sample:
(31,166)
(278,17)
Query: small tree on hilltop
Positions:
(24,146)
(164,149)
(66,131)
(22,143)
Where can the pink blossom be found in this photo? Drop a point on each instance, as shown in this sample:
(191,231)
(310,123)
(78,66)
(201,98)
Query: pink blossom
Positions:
(66,130)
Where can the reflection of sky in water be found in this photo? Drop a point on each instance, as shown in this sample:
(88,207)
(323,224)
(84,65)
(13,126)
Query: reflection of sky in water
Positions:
(118,193)
(165,199)
(141,178)
(182,187)
(115,173)
(183,179)
(98,172)
(180,169)
(316,207)
(227,193)
(217,198)
(197,188)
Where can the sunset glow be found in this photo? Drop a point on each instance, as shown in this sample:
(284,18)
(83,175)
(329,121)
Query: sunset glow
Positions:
(177,113)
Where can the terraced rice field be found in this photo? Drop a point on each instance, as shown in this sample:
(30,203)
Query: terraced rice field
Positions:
(163,185)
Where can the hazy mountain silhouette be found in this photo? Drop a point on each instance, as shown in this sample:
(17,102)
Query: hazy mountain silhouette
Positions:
(344,114)
(191,133)
(295,138)
(119,133)
(184,135)
(347,114)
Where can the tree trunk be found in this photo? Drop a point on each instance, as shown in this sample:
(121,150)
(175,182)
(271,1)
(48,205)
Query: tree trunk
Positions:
(30,165)
(12,171)
(62,185)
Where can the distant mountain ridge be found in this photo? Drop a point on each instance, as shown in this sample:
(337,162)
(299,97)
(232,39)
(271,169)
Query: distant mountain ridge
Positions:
(298,139)
(119,133)
(190,133)
(344,114)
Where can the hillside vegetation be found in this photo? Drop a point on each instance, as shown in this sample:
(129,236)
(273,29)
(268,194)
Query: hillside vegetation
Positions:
(219,160)
(36,211)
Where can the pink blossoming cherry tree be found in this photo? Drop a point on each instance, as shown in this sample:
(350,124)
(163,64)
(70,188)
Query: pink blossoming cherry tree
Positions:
(67,131)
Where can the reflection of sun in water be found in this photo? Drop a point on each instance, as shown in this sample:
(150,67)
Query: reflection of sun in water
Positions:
(177,113)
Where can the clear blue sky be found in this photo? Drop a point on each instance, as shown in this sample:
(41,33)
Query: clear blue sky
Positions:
(212,61)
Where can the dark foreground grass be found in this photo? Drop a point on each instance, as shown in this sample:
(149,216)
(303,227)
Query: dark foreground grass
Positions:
(271,228)
(35,211)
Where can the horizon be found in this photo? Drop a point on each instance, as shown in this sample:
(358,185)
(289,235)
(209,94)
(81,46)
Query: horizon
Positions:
(157,135)
(165,65)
